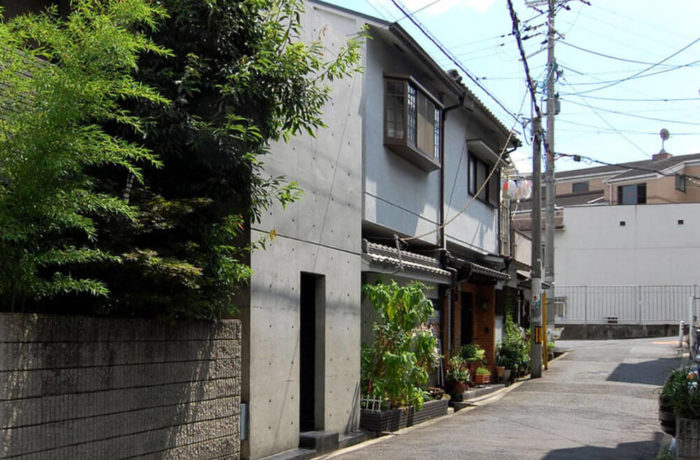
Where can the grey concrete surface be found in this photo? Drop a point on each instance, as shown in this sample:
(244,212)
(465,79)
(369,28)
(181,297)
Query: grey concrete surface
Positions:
(596,402)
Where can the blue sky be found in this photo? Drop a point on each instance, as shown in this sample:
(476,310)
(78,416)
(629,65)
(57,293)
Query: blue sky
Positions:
(630,68)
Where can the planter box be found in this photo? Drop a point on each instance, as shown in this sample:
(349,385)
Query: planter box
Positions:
(395,419)
(667,419)
(687,438)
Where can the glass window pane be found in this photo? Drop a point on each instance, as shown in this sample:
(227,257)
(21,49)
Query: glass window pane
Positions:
(393,110)
(412,115)
(481,173)
(426,125)
(472,175)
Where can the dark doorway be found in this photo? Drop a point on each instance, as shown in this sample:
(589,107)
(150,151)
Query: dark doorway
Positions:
(467,318)
(311,351)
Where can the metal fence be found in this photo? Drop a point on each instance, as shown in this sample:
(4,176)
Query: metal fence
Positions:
(624,304)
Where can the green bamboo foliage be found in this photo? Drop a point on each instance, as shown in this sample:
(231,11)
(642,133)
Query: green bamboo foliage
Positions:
(60,80)
(395,367)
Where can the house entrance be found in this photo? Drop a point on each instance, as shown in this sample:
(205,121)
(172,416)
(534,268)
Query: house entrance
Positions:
(311,351)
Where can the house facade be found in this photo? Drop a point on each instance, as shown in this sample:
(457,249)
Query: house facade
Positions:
(403,184)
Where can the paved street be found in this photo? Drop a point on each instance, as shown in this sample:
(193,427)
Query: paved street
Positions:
(596,402)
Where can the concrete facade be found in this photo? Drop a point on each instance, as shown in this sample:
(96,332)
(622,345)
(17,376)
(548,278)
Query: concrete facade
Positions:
(86,388)
(319,235)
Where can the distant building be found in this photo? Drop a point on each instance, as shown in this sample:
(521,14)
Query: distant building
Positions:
(627,241)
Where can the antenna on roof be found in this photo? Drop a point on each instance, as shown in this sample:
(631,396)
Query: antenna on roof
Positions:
(664,137)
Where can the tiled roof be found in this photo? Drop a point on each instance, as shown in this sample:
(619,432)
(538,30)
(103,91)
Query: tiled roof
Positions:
(410,260)
(630,169)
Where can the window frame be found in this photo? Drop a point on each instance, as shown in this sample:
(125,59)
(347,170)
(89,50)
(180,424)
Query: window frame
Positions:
(681,182)
(415,104)
(641,194)
(585,185)
(491,192)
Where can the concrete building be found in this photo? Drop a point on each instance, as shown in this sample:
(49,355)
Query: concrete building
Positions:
(403,159)
(626,241)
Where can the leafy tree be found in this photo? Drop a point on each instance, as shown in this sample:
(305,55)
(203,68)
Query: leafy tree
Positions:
(60,80)
(239,77)
(395,367)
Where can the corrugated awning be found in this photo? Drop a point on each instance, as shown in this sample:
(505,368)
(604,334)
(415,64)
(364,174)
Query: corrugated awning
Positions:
(406,260)
(488,272)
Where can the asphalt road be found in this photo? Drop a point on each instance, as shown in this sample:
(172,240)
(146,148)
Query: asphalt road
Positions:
(596,402)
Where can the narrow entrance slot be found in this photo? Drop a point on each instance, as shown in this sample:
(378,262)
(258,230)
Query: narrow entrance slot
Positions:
(311,351)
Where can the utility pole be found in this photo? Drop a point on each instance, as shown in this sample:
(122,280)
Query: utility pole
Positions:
(549,172)
(536,259)
(536,255)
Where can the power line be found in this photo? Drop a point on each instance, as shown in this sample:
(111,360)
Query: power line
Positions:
(454,60)
(577,157)
(616,112)
(606,121)
(421,8)
(671,69)
(617,82)
(597,53)
(667,99)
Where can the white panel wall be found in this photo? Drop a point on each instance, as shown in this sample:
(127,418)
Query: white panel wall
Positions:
(650,249)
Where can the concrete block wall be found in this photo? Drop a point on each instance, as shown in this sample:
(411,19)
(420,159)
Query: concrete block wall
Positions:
(86,388)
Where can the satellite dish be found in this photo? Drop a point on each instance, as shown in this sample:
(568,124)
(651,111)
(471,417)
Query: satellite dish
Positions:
(664,134)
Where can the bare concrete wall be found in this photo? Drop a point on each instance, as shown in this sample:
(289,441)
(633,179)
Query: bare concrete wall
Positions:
(86,388)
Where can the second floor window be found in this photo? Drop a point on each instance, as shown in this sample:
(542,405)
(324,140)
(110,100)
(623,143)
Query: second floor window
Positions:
(632,194)
(579,187)
(680,182)
(478,172)
(412,123)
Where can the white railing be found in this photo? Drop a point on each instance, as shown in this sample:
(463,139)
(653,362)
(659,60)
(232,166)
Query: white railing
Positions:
(624,304)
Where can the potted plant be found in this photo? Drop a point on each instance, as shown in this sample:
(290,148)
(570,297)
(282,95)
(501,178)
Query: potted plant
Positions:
(474,355)
(482,375)
(395,366)
(457,375)
(682,392)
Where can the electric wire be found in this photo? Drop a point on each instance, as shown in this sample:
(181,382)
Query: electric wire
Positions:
(455,61)
(478,192)
(632,115)
(635,75)
(606,121)
(597,53)
(628,165)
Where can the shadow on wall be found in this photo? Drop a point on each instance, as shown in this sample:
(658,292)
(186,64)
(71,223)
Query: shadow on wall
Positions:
(648,372)
(641,450)
(353,423)
(79,387)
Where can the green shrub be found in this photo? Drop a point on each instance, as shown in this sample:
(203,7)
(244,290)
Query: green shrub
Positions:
(683,392)
(395,367)
(472,352)
(482,371)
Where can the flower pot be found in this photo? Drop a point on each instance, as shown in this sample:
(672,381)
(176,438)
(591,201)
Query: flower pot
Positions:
(459,387)
(667,418)
(481,379)
(687,437)
(500,371)
(506,375)
(395,419)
